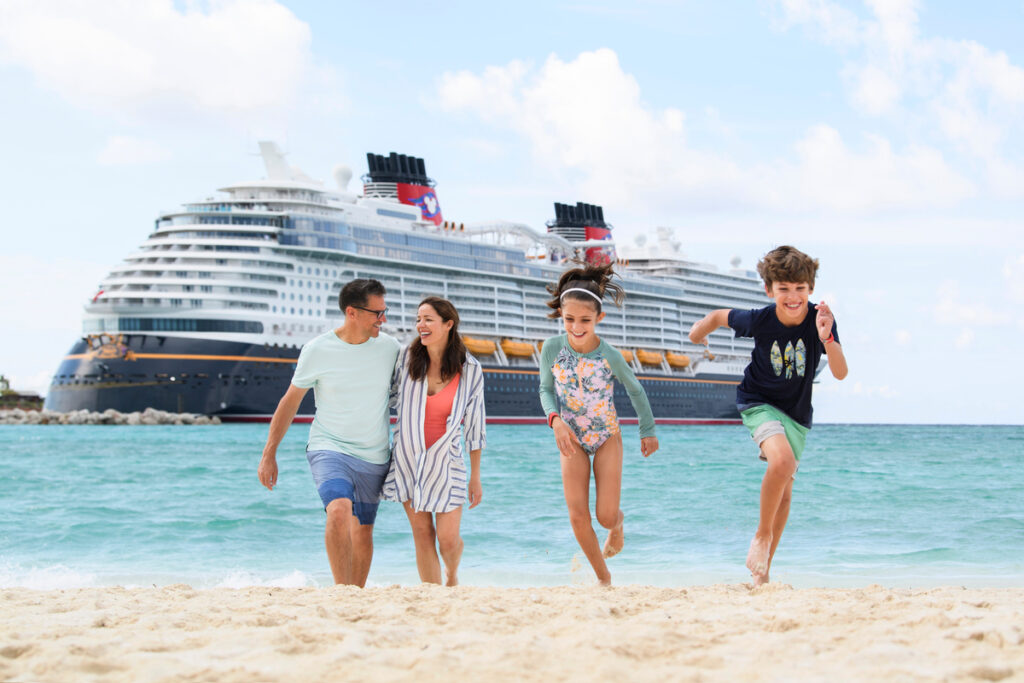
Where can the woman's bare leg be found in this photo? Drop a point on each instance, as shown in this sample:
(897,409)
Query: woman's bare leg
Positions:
(424,537)
(450,543)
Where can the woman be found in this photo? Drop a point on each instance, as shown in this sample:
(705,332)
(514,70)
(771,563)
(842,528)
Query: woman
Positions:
(438,385)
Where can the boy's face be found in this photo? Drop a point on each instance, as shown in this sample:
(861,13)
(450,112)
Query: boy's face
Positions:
(790,301)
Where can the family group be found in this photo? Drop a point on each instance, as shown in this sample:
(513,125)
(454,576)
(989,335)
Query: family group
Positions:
(358,374)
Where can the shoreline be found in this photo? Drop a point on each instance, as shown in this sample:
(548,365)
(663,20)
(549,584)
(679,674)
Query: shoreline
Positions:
(630,632)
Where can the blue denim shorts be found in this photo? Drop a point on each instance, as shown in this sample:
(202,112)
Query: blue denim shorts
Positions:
(338,475)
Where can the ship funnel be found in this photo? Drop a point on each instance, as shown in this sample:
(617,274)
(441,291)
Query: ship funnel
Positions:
(582,223)
(402,177)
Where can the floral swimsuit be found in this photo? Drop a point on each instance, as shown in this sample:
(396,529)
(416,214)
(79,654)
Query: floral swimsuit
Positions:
(584,386)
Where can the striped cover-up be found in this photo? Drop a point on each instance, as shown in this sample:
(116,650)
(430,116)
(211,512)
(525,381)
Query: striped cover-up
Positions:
(434,479)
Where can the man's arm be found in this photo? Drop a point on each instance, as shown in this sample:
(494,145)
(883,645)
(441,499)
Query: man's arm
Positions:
(708,324)
(279,424)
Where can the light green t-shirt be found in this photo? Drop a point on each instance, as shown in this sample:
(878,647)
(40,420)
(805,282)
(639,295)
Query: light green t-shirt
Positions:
(350,384)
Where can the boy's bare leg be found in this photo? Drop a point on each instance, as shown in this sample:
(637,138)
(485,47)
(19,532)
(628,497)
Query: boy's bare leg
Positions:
(338,539)
(576,485)
(781,516)
(608,483)
(425,539)
(450,543)
(777,480)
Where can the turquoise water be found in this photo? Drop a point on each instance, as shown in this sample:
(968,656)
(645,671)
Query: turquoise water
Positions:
(896,505)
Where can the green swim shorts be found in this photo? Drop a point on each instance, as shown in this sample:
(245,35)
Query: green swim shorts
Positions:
(765,420)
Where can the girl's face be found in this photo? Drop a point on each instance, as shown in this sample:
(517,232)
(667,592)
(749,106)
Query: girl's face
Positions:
(580,319)
(431,327)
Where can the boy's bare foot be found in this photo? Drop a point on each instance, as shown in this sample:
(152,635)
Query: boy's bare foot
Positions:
(760,579)
(757,557)
(616,539)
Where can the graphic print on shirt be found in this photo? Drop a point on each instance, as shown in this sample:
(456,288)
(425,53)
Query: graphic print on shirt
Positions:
(794,358)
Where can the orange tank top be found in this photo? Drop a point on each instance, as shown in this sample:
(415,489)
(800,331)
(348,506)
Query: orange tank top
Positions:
(439,407)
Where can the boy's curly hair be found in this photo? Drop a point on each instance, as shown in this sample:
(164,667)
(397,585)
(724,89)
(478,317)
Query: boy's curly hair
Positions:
(787,264)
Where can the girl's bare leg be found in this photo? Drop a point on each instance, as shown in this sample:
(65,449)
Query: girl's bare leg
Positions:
(450,543)
(608,482)
(424,537)
(576,485)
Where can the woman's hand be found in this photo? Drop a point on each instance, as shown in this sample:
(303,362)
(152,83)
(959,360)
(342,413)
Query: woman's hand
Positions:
(648,445)
(476,490)
(568,444)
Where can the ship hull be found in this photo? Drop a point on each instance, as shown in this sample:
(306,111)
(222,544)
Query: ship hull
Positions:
(244,382)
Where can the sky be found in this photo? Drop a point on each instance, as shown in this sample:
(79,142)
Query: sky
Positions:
(885,138)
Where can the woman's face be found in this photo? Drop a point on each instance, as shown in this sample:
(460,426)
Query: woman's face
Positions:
(431,327)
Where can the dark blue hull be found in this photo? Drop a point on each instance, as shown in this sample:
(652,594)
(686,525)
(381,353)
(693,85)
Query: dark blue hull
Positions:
(243,382)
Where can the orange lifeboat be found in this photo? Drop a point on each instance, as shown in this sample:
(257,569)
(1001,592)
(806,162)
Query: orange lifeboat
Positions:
(678,360)
(517,349)
(479,347)
(627,354)
(648,357)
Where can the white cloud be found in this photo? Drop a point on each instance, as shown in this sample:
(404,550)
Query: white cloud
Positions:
(130,55)
(952,308)
(126,150)
(972,96)
(964,339)
(587,117)
(903,337)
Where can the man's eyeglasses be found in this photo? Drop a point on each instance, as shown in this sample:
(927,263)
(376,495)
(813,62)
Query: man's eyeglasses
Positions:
(380,314)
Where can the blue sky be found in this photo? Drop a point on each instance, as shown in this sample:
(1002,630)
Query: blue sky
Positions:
(883,138)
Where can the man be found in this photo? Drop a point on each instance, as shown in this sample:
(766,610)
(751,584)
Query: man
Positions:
(349,369)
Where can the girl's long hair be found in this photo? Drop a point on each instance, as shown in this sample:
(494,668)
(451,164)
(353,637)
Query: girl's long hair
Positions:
(454,355)
(593,278)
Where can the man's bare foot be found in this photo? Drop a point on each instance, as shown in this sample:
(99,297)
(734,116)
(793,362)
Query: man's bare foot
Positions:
(616,539)
(757,557)
(452,581)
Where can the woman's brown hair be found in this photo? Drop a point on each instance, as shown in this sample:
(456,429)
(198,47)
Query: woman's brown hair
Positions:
(455,351)
(596,279)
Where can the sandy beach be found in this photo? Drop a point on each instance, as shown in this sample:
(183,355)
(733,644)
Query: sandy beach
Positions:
(722,632)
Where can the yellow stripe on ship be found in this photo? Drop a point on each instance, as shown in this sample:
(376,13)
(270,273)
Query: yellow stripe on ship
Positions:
(185,356)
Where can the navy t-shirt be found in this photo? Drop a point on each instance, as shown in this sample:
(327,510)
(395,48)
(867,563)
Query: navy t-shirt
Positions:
(783,363)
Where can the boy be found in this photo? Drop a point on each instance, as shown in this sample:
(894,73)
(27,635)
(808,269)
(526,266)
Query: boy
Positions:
(774,398)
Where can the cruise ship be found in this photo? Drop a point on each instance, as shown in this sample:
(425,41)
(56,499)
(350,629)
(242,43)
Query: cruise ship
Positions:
(209,313)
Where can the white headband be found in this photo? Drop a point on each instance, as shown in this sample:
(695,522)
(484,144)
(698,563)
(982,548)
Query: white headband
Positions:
(579,289)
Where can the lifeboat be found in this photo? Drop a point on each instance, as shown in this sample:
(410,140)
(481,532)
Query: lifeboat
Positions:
(648,357)
(677,360)
(479,347)
(517,349)
(540,346)
(627,354)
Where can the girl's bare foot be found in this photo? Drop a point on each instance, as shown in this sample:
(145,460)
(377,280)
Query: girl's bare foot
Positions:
(616,539)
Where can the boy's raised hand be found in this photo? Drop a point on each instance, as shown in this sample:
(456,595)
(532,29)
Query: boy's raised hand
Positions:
(824,321)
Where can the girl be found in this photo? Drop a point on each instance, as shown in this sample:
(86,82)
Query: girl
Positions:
(437,386)
(578,367)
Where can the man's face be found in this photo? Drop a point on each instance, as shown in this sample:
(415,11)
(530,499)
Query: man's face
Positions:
(369,318)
